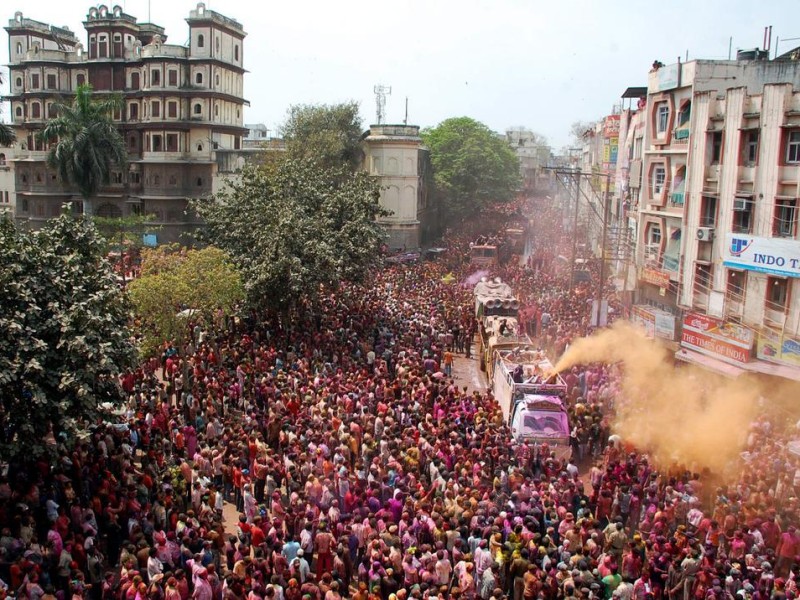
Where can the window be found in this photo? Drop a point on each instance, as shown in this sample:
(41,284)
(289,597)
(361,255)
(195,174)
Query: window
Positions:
(199,182)
(216,44)
(216,110)
(36,110)
(201,41)
(18,82)
(172,142)
(659,178)
(51,81)
(198,109)
(662,117)
(34,81)
(199,147)
(716,147)
(198,78)
(19,47)
(777,293)
(102,46)
(132,142)
(172,110)
(81,79)
(135,81)
(236,53)
(19,112)
(708,211)
(25,206)
(2,160)
(685,113)
(134,178)
(157,143)
(785,222)
(50,110)
(155,78)
(172,74)
(703,278)
(742,215)
(133,112)
(750,148)
(737,283)
(216,80)
(155,108)
(793,147)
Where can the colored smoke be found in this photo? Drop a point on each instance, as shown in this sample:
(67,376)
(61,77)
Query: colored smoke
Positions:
(684,415)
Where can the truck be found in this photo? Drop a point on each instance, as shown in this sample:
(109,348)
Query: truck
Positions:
(497,316)
(531,396)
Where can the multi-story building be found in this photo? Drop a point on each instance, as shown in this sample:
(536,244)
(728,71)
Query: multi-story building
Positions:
(718,209)
(8,196)
(181,105)
(534,158)
(395,154)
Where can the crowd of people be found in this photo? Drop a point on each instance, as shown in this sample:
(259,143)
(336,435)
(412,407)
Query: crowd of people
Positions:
(360,468)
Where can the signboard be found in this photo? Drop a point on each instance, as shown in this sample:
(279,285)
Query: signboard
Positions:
(657,323)
(655,277)
(728,341)
(777,348)
(774,256)
(150,240)
(669,77)
(611,126)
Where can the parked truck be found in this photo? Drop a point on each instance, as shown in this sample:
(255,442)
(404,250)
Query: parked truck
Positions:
(531,396)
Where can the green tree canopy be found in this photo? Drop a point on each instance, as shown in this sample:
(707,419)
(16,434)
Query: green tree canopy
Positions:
(87,142)
(295,227)
(176,283)
(473,167)
(64,336)
(327,134)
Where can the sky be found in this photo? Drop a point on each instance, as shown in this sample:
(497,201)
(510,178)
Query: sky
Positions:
(507,63)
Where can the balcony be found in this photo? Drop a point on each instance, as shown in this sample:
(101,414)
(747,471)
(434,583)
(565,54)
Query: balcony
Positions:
(676,199)
(680,137)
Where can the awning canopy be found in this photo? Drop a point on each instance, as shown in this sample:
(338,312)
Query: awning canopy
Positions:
(710,363)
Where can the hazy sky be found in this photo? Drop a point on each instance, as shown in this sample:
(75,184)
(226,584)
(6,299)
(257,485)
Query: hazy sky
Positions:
(507,63)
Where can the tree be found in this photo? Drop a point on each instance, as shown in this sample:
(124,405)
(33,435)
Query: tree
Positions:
(473,167)
(87,142)
(125,237)
(64,336)
(177,283)
(327,134)
(294,228)
(578,130)
(7,136)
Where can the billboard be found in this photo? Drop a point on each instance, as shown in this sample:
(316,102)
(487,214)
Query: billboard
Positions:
(774,256)
(707,335)
(774,347)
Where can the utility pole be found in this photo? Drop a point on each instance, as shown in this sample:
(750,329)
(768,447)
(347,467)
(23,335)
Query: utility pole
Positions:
(601,283)
(577,180)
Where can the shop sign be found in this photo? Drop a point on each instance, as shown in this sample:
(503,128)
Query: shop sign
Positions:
(711,336)
(774,256)
(655,277)
(777,348)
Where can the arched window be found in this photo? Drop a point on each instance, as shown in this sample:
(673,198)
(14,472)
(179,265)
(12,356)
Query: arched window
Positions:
(81,79)
(236,53)
(201,41)
(216,44)
(199,147)
(19,82)
(19,111)
(198,78)
(19,47)
(2,160)
(216,110)
(198,109)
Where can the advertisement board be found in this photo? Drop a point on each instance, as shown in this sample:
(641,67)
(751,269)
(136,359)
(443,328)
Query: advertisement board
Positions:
(729,341)
(774,256)
(655,277)
(669,77)
(657,323)
(774,347)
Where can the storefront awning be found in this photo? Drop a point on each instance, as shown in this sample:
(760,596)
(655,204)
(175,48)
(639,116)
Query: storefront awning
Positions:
(710,363)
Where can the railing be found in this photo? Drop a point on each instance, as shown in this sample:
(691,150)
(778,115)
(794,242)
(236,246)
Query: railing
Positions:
(676,199)
(680,137)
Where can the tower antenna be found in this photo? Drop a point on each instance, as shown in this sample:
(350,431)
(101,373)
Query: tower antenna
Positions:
(381,91)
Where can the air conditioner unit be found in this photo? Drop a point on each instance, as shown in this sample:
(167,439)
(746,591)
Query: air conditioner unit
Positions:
(740,204)
(705,234)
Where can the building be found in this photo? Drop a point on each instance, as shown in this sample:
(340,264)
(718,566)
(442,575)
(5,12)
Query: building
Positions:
(395,154)
(181,105)
(8,195)
(534,157)
(718,209)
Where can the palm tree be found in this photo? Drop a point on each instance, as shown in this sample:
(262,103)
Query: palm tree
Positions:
(7,136)
(87,142)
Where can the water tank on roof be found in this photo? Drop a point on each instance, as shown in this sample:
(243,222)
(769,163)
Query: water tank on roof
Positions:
(752,54)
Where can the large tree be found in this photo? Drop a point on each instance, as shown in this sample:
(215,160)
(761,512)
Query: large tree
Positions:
(64,336)
(327,134)
(473,167)
(87,143)
(177,285)
(295,228)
